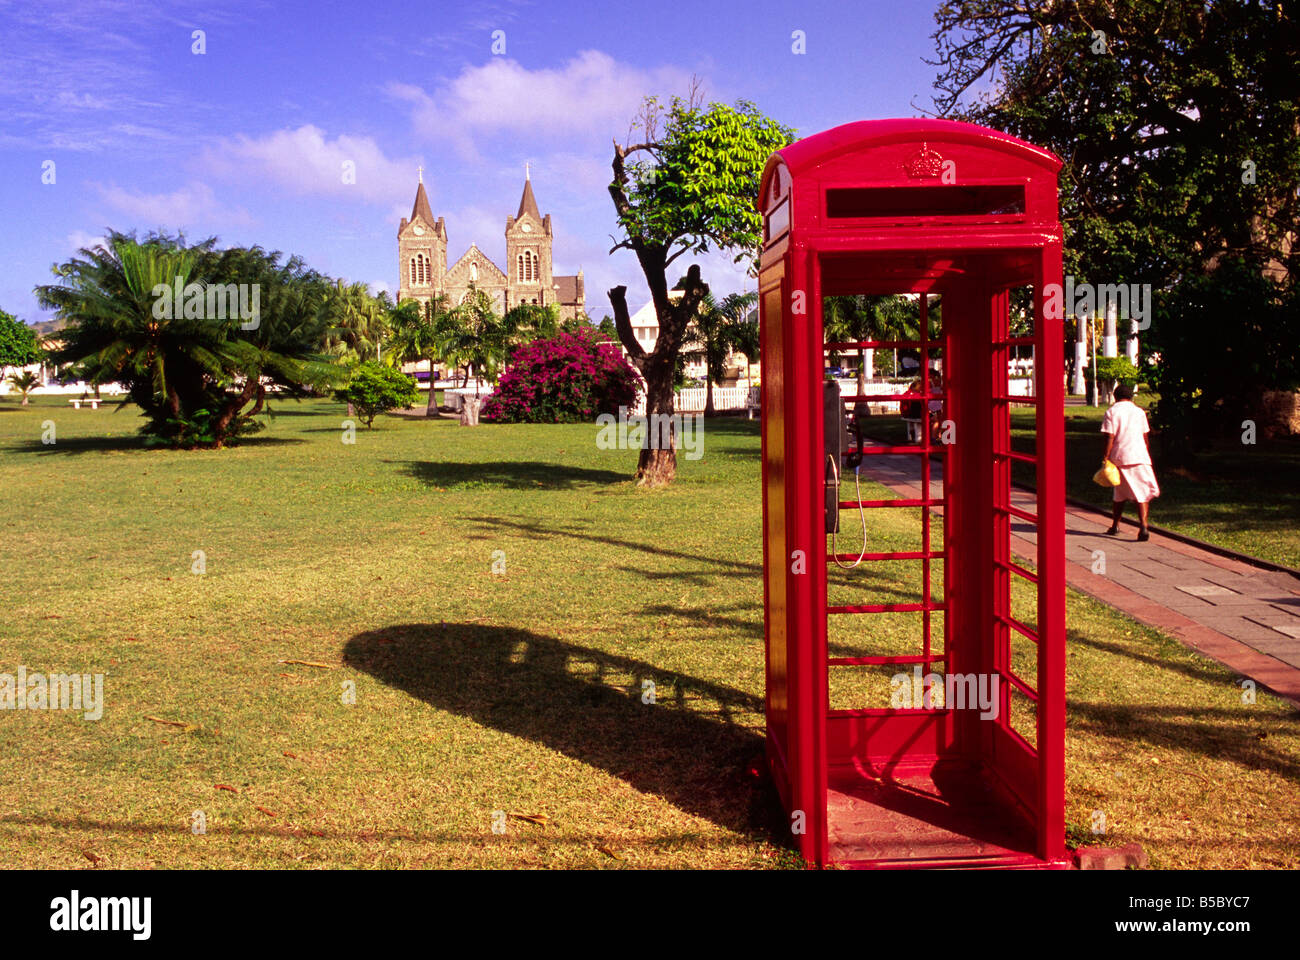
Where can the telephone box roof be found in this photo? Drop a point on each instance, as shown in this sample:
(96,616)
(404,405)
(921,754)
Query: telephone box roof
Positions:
(827,146)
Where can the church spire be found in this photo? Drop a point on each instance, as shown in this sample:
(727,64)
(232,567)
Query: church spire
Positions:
(421,207)
(528,203)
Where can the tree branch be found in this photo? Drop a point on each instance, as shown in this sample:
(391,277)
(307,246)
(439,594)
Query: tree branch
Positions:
(623,324)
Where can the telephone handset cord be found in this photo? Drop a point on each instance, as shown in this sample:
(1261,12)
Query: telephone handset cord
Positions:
(862,514)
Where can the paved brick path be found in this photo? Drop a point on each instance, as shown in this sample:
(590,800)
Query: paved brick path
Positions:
(1240,615)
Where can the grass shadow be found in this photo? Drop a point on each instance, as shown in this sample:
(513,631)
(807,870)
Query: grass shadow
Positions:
(1208,673)
(508,474)
(537,530)
(704,758)
(1188,730)
(72,445)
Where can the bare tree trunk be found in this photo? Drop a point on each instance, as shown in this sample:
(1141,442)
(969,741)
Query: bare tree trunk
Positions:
(657,465)
(431,408)
(709,409)
(231,408)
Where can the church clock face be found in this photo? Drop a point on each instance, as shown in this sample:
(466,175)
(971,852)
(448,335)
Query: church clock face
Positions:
(526,228)
(418,230)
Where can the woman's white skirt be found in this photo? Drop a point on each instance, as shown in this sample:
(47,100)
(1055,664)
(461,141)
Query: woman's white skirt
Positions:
(1137,482)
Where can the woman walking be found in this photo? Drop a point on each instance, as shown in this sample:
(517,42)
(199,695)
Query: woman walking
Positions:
(1125,425)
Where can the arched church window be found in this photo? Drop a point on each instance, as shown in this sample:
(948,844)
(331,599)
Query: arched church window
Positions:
(412,272)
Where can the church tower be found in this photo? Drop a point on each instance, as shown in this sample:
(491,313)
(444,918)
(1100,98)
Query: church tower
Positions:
(528,252)
(421,250)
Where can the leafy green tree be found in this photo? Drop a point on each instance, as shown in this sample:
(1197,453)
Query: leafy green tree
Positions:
(192,373)
(686,186)
(1218,388)
(606,330)
(1178,122)
(374,388)
(24,381)
(18,344)
(712,336)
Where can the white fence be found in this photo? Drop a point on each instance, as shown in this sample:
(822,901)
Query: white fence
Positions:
(63,389)
(691,400)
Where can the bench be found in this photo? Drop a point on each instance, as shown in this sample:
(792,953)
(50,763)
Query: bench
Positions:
(78,401)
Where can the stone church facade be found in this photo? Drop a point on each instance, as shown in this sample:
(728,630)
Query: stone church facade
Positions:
(528,277)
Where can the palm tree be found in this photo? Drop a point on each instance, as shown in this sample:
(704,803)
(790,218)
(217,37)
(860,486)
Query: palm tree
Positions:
(746,339)
(474,336)
(415,337)
(24,381)
(359,322)
(107,298)
(857,318)
(526,322)
(714,333)
(193,376)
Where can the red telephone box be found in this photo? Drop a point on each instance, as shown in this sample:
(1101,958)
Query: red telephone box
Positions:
(961,216)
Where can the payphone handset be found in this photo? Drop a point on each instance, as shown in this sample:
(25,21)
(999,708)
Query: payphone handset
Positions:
(836,456)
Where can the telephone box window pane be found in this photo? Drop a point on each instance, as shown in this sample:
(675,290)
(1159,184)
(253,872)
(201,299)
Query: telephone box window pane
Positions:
(778,220)
(943,201)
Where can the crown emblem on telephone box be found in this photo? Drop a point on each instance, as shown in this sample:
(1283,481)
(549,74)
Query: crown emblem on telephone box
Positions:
(924,163)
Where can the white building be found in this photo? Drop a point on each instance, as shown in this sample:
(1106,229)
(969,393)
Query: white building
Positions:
(645,328)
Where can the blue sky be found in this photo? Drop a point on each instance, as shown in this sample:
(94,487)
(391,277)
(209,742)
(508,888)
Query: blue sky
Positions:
(247,141)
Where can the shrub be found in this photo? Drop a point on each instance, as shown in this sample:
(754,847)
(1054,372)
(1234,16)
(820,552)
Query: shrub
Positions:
(1115,370)
(374,389)
(568,378)
(18,346)
(1111,372)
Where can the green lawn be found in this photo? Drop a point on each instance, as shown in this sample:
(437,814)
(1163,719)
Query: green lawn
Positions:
(1243,497)
(479,692)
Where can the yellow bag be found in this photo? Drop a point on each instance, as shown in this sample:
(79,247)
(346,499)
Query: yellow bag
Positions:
(1107,476)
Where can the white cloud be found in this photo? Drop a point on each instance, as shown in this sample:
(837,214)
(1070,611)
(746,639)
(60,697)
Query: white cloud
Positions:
(591,96)
(182,208)
(80,239)
(306,161)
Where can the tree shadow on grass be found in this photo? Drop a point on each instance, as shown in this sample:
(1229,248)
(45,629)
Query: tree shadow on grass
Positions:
(698,746)
(317,411)
(738,618)
(1202,671)
(1190,730)
(537,530)
(509,474)
(69,445)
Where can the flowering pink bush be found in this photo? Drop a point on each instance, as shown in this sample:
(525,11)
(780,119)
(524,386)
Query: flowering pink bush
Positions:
(568,378)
